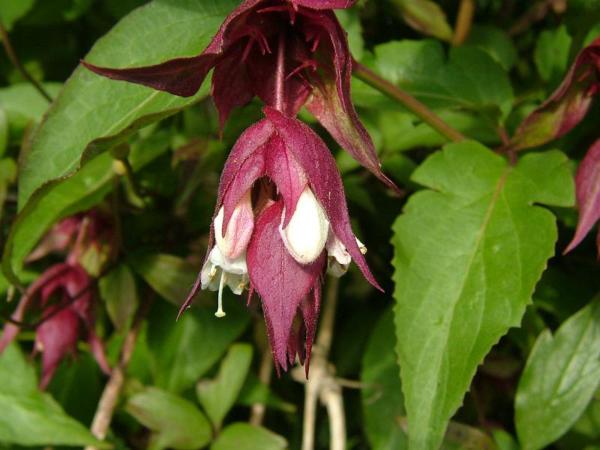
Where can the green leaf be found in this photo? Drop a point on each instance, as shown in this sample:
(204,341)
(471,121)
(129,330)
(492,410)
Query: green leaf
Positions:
(176,422)
(551,54)
(382,399)
(25,106)
(496,42)
(98,112)
(559,380)
(78,193)
(255,391)
(468,253)
(242,436)
(184,350)
(469,79)
(172,277)
(425,16)
(13,10)
(3,131)
(217,396)
(118,290)
(30,417)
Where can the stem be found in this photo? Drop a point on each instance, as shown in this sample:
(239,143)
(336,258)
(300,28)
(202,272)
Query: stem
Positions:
(464,20)
(265,372)
(280,74)
(410,102)
(114,386)
(10,52)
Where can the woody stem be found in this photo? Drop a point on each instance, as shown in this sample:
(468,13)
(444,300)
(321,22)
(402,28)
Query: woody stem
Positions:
(410,102)
(280,74)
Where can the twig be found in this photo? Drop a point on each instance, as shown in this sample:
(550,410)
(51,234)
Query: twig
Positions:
(10,52)
(410,102)
(322,383)
(464,20)
(112,390)
(265,373)
(536,13)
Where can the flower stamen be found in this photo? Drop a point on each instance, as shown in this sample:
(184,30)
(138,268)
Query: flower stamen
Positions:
(220,313)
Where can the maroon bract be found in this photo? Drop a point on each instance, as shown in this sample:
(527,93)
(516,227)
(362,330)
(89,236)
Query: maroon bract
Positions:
(587,184)
(245,55)
(567,106)
(280,219)
(64,299)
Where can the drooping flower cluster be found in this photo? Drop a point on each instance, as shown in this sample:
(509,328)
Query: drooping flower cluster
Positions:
(62,298)
(281,218)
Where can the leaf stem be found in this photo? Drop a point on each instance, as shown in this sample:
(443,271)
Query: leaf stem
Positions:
(10,52)
(464,20)
(410,102)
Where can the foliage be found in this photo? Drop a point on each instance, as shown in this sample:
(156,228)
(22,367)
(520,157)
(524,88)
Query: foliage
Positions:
(486,333)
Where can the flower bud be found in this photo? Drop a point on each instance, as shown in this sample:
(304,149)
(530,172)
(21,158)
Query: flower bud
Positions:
(306,233)
(234,241)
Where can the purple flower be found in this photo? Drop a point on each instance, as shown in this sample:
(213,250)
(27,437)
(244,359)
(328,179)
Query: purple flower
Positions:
(316,68)
(63,297)
(280,221)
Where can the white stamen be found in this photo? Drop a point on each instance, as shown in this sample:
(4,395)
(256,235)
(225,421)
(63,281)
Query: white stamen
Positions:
(220,313)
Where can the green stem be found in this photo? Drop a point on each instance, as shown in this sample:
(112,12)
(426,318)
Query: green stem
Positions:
(410,102)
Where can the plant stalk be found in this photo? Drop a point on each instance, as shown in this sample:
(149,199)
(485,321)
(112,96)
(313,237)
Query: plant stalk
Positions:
(410,102)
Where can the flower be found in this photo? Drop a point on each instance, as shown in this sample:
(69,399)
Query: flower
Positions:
(281,214)
(567,105)
(62,294)
(261,44)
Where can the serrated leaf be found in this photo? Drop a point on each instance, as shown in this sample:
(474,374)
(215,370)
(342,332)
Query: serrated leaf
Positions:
(496,42)
(551,54)
(30,417)
(382,399)
(78,193)
(176,422)
(468,253)
(468,79)
(217,396)
(118,290)
(559,380)
(183,351)
(242,436)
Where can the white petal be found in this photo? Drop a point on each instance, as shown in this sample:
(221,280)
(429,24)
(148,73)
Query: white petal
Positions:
(239,229)
(306,233)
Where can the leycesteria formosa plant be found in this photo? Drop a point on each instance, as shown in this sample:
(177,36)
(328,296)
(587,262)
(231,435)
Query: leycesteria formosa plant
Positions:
(281,218)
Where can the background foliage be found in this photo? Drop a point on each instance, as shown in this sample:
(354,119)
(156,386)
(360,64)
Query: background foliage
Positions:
(486,337)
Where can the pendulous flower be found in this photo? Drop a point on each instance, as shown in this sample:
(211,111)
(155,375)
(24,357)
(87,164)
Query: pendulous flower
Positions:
(246,54)
(63,297)
(280,220)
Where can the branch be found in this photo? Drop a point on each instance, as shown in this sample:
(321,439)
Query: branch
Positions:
(410,102)
(10,52)
(536,13)
(114,386)
(265,373)
(464,20)
(322,383)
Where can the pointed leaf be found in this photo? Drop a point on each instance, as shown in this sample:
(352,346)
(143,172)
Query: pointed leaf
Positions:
(118,290)
(242,436)
(185,350)
(468,254)
(217,396)
(176,422)
(425,16)
(559,380)
(78,193)
(30,417)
